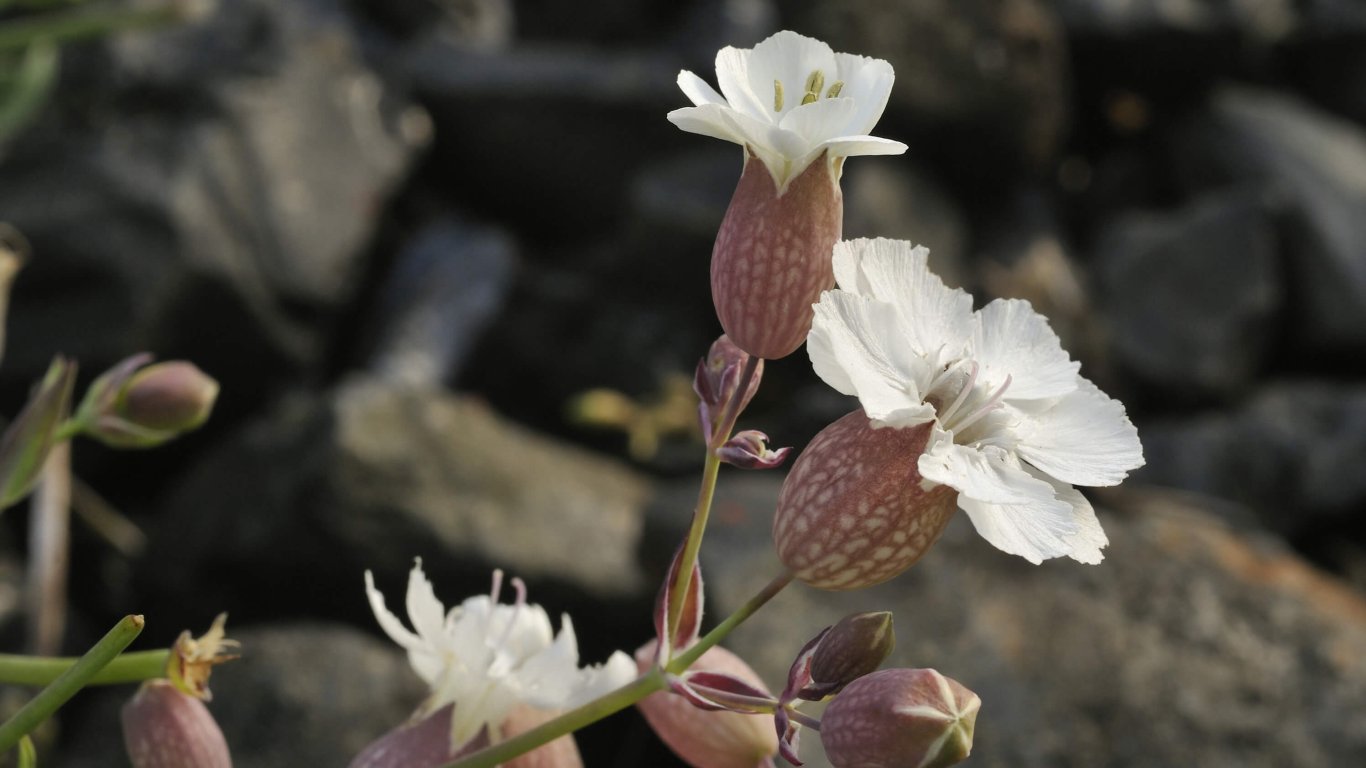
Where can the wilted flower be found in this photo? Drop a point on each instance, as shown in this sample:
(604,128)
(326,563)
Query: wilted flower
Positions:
(192,659)
(488,658)
(900,718)
(164,727)
(798,108)
(983,406)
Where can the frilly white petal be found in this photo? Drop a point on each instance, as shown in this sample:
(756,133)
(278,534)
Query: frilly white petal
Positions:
(983,474)
(1086,544)
(1036,531)
(1085,438)
(1011,340)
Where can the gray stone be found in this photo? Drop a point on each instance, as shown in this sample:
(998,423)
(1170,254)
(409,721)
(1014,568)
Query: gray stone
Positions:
(1266,21)
(1312,164)
(377,474)
(1193,643)
(885,197)
(1192,297)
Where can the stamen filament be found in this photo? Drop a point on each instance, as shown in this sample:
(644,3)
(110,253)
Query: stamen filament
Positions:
(990,405)
(946,416)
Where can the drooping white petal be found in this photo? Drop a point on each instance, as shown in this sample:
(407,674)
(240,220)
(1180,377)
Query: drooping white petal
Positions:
(984,474)
(1036,532)
(698,91)
(1085,438)
(1011,340)
(850,349)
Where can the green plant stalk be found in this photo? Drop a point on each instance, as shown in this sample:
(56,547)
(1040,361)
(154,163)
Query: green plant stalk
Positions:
(653,681)
(16,669)
(28,755)
(48,700)
(79,23)
(710,471)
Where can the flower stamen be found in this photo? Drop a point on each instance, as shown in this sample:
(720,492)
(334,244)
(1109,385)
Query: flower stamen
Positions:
(777,95)
(946,415)
(835,89)
(993,402)
(815,83)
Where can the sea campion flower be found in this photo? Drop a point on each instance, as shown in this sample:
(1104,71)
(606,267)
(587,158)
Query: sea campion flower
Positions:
(798,108)
(983,408)
(492,660)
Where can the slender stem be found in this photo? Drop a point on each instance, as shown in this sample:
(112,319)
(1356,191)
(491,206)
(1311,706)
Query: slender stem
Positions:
(595,710)
(77,23)
(28,755)
(48,700)
(686,659)
(127,668)
(804,719)
(710,471)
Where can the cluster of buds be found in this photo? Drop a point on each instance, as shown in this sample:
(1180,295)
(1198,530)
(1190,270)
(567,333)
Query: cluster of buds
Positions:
(725,382)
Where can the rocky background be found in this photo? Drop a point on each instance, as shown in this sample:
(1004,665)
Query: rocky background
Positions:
(407,235)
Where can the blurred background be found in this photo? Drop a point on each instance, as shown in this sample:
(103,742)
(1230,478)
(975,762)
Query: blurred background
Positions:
(450,264)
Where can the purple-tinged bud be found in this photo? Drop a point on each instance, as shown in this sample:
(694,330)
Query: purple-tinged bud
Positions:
(854,647)
(773,255)
(424,743)
(30,437)
(749,450)
(131,406)
(900,718)
(718,378)
(710,739)
(854,510)
(163,727)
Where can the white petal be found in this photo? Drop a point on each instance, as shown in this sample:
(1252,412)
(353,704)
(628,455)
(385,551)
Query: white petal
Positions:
(984,474)
(698,91)
(550,677)
(869,82)
(789,58)
(1085,438)
(732,74)
(854,329)
(1086,544)
(818,121)
(595,681)
(712,120)
(426,613)
(855,146)
(1011,339)
(388,622)
(934,319)
(1036,532)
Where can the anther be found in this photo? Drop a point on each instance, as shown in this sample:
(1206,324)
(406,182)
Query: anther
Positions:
(835,89)
(814,84)
(777,95)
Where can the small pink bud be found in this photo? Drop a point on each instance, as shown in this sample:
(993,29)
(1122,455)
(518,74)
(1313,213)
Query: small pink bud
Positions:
(749,450)
(900,718)
(131,406)
(718,378)
(854,647)
(166,728)
(854,510)
(710,739)
(773,256)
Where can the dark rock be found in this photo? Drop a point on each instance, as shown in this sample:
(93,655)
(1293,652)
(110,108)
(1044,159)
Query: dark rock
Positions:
(448,283)
(1293,454)
(1192,644)
(1311,164)
(378,474)
(983,86)
(886,197)
(1192,296)
(198,203)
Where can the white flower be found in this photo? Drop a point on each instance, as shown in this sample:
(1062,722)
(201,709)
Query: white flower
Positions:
(1015,425)
(789,99)
(488,657)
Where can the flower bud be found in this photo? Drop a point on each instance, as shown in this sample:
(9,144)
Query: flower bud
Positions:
(164,727)
(854,647)
(29,438)
(900,718)
(717,379)
(773,254)
(854,511)
(709,739)
(749,450)
(424,743)
(131,408)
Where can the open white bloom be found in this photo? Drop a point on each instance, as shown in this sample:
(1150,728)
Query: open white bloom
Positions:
(789,99)
(1014,426)
(487,657)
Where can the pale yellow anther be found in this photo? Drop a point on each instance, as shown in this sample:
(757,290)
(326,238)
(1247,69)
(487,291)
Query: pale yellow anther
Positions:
(835,89)
(777,95)
(815,83)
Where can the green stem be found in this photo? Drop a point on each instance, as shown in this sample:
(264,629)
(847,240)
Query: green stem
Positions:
(595,710)
(78,23)
(686,659)
(710,471)
(134,667)
(48,700)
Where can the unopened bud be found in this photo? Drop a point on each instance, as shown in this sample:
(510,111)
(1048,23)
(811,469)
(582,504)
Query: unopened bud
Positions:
(854,511)
(749,450)
(854,647)
(30,437)
(131,406)
(163,727)
(900,718)
(703,738)
(717,382)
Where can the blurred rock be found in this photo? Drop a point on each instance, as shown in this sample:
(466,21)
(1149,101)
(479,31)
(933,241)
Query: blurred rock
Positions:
(885,197)
(1311,164)
(981,85)
(1192,644)
(377,474)
(1266,22)
(449,281)
(215,198)
(302,694)
(1293,453)
(1192,296)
